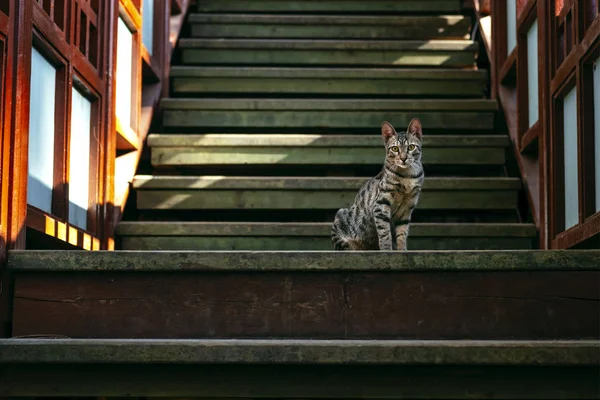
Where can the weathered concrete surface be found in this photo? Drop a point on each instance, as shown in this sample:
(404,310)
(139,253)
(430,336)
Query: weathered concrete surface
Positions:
(147,261)
(89,351)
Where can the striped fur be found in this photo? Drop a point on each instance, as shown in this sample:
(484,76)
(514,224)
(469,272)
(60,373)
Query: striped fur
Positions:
(380,216)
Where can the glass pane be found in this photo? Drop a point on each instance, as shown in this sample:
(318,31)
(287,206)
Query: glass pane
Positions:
(597,130)
(124,73)
(148,24)
(570,154)
(532,73)
(79,159)
(40,178)
(511,25)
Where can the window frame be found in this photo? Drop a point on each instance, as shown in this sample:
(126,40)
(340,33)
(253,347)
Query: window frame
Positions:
(528,135)
(128,137)
(81,66)
(573,65)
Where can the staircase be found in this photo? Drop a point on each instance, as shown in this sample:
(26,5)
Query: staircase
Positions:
(227,286)
(273,125)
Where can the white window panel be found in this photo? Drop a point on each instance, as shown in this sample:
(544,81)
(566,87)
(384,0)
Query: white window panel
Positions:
(124,73)
(40,178)
(148,25)
(570,156)
(511,25)
(597,130)
(532,73)
(79,159)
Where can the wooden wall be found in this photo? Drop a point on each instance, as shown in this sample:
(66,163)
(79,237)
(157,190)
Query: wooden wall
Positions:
(78,39)
(568,45)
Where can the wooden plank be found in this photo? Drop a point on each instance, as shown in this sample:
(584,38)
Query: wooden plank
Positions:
(312,243)
(246,155)
(334,113)
(346,142)
(313,236)
(235,104)
(298,351)
(25,261)
(263,381)
(327,26)
(345,305)
(415,58)
(190,182)
(348,6)
(328,52)
(458,89)
(329,73)
(331,44)
(196,193)
(312,229)
(380,81)
(191,149)
(281,119)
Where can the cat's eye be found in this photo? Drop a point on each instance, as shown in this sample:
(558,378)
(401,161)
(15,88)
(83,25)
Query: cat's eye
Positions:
(394,149)
(411,147)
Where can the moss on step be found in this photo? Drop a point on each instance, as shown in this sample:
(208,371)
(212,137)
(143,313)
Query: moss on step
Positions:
(326,261)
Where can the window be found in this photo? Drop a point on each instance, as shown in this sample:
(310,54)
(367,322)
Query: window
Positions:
(40,182)
(511,25)
(66,132)
(148,25)
(79,161)
(124,85)
(532,74)
(570,157)
(574,160)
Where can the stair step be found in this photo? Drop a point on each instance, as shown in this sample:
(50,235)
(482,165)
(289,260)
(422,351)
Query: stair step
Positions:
(328,26)
(330,113)
(309,193)
(317,295)
(299,369)
(346,6)
(448,53)
(260,149)
(329,81)
(313,236)
(286,352)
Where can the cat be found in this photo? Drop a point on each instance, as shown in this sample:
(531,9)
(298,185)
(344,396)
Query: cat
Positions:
(380,216)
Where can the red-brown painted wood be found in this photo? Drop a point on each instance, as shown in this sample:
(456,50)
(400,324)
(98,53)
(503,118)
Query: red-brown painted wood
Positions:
(431,305)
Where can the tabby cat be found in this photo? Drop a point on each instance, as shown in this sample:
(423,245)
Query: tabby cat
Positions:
(380,215)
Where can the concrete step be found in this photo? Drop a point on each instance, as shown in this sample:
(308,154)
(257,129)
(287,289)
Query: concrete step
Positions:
(329,81)
(312,193)
(272,26)
(319,295)
(438,53)
(296,368)
(330,113)
(189,150)
(313,236)
(329,6)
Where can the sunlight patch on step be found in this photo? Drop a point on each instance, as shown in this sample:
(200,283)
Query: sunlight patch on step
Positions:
(422,59)
(229,140)
(172,201)
(198,183)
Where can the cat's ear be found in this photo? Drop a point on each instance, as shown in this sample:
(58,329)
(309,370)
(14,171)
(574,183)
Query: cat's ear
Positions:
(415,128)
(387,131)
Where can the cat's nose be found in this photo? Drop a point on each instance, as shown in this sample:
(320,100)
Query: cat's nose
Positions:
(403,158)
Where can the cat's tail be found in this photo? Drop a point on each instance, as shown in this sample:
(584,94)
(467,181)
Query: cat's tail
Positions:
(338,237)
